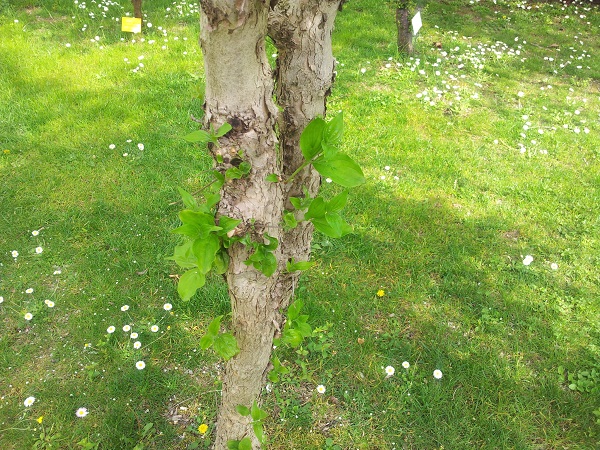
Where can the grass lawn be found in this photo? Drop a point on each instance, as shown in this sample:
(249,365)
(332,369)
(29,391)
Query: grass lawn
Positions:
(476,250)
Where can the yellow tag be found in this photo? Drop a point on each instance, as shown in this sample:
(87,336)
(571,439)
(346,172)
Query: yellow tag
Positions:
(131,24)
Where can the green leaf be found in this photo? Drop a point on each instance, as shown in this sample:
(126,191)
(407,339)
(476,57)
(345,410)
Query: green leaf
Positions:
(301,203)
(205,250)
(196,224)
(223,130)
(233,173)
(317,209)
(292,337)
(212,199)
(341,169)
(292,265)
(256,413)
(221,262)
(273,242)
(206,341)
(272,178)
(198,136)
(245,444)
(338,202)
(220,179)
(334,130)
(227,224)
(214,326)
(289,221)
(321,224)
(189,283)
(280,368)
(226,346)
(269,265)
(245,167)
(184,256)
(258,431)
(294,309)
(311,138)
(233,445)
(188,200)
(296,203)
(340,227)
(303,328)
(243,410)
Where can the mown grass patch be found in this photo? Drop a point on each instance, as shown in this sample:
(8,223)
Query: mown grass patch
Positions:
(475,249)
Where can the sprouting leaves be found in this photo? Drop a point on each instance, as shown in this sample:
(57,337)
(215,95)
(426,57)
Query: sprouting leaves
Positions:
(319,144)
(224,344)
(204,137)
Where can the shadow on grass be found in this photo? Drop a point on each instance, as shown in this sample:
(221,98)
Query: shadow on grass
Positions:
(458,298)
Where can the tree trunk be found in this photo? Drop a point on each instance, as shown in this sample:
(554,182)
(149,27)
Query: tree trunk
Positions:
(239,90)
(405,36)
(137,8)
(301,30)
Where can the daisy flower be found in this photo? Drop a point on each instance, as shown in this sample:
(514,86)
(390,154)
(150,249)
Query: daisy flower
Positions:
(81,412)
(437,374)
(28,316)
(140,365)
(167,307)
(321,389)
(29,401)
(154,328)
(389,371)
(406,364)
(110,330)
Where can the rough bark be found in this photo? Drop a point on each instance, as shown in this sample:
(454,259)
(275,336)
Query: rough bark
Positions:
(301,30)
(405,36)
(239,90)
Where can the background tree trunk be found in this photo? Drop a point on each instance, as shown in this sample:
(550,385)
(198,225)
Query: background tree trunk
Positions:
(239,90)
(137,8)
(405,35)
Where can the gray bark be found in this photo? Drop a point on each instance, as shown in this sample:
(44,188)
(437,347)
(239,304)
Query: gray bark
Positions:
(405,36)
(239,90)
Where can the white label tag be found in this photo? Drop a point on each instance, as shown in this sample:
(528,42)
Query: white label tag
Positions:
(416,23)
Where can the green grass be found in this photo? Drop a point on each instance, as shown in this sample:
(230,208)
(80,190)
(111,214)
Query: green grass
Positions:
(457,196)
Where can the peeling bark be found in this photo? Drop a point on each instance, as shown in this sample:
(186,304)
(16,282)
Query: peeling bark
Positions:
(239,90)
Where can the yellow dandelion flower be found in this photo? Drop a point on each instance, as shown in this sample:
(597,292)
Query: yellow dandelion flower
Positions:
(40,419)
(203,428)
(380,293)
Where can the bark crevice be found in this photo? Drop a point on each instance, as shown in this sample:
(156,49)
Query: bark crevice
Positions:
(240,89)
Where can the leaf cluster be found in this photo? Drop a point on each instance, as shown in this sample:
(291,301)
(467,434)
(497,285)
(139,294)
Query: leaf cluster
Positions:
(258,416)
(319,143)
(224,344)
(206,239)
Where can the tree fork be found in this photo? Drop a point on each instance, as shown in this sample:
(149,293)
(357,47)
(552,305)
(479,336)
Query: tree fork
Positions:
(239,90)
